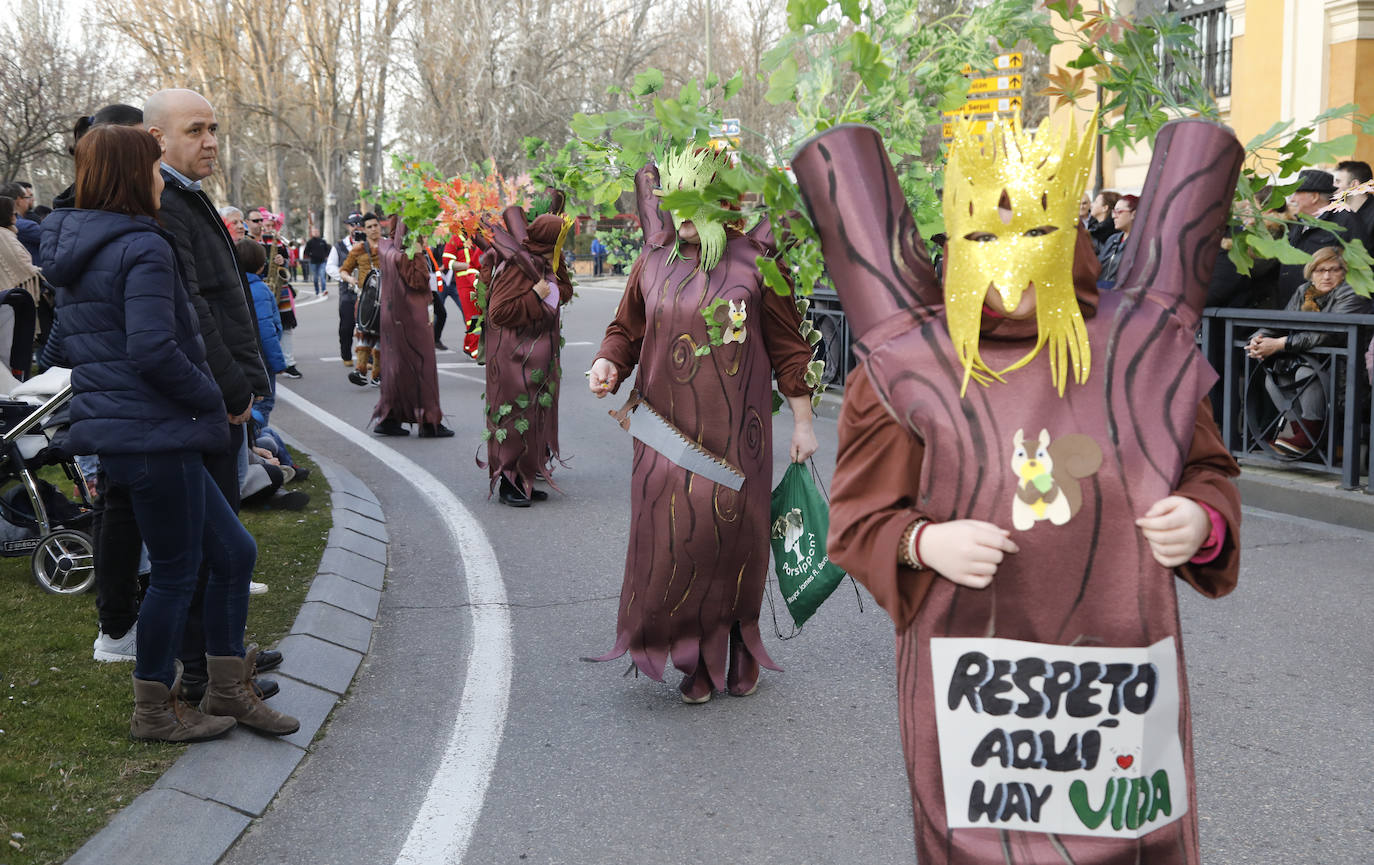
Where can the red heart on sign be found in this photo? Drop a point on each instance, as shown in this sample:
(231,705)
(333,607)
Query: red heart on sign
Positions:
(1125,762)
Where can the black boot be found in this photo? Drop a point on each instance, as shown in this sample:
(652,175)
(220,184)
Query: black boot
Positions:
(435,431)
(513,495)
(391,427)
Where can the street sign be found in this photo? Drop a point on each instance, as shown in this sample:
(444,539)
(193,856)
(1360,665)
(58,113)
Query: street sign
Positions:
(1012,62)
(1005,105)
(725,134)
(998,84)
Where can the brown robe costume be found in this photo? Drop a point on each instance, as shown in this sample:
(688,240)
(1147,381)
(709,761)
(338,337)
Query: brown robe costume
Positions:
(698,552)
(521,336)
(910,446)
(410,376)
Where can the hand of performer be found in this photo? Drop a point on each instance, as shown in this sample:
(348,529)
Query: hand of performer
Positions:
(1176,528)
(965,552)
(602,378)
(542,289)
(803,433)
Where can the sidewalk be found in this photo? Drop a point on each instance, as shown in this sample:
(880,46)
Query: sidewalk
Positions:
(216,788)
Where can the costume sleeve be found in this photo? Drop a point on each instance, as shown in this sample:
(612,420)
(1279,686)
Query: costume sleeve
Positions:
(512,303)
(625,334)
(873,500)
(350,264)
(788,350)
(414,273)
(1207,478)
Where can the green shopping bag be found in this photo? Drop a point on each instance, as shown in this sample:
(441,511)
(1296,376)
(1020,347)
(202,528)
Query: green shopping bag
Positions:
(801,518)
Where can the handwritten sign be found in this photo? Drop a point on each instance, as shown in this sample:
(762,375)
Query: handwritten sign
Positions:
(1064,739)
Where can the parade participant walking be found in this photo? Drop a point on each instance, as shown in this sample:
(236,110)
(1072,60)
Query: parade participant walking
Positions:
(362,259)
(146,401)
(410,376)
(1020,495)
(522,332)
(698,551)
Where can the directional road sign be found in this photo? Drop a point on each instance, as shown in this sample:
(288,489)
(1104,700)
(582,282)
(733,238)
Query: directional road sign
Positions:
(1012,62)
(996,84)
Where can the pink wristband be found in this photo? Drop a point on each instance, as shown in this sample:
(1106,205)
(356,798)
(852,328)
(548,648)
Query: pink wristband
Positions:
(1211,548)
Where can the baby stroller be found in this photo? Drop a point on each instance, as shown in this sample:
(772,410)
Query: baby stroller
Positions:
(35,519)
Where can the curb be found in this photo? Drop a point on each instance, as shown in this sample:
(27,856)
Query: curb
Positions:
(211,805)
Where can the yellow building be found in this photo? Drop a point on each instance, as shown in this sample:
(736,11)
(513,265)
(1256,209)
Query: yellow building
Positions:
(1272,60)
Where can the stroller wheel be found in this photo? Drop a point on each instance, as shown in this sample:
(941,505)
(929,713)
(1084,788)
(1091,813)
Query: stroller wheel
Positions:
(64,562)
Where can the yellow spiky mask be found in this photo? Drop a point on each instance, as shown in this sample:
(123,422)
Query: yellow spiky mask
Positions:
(1041,178)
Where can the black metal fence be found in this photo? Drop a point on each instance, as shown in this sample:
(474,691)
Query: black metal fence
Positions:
(1245,405)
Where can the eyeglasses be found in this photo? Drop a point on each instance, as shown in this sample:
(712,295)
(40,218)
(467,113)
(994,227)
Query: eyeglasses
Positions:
(1325,270)
(1122,210)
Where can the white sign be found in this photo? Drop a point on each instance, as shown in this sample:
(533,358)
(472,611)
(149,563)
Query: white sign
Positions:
(1066,739)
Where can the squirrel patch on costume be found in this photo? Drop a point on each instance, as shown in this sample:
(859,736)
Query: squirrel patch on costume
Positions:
(1048,474)
(734,332)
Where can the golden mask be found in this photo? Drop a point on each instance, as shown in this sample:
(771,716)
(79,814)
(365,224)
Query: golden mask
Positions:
(1011,213)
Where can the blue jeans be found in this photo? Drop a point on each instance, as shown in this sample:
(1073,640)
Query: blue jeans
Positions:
(320,277)
(182,515)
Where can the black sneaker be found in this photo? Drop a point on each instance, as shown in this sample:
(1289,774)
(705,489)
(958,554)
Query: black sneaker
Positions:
(291,372)
(439,345)
(357,378)
(302,473)
(391,427)
(435,431)
(294,500)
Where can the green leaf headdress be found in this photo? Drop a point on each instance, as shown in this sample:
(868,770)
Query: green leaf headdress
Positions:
(689,171)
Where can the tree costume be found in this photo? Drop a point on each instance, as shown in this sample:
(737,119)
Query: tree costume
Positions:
(1015,700)
(698,551)
(410,377)
(522,336)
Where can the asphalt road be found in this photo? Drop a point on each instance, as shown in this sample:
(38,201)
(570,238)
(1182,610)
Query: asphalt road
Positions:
(596,768)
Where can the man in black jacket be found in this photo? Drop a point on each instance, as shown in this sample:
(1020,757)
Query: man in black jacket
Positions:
(185,125)
(1309,199)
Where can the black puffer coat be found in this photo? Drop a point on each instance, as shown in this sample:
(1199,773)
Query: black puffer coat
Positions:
(138,363)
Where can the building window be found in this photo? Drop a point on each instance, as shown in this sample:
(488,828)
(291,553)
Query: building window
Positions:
(1212,45)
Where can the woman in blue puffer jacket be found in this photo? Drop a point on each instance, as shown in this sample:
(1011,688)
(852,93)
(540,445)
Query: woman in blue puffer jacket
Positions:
(145,401)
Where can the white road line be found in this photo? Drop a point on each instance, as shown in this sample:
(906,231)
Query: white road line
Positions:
(317,298)
(448,815)
(452,374)
(581,287)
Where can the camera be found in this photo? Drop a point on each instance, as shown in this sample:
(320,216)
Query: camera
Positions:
(359,235)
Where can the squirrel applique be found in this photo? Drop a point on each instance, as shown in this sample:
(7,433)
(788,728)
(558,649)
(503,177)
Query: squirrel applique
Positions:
(1048,475)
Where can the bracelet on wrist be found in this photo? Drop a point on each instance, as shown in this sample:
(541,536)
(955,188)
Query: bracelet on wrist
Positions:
(911,542)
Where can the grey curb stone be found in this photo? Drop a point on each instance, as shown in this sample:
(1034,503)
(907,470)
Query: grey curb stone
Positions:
(201,771)
(345,594)
(319,663)
(361,544)
(139,833)
(362,525)
(216,788)
(358,506)
(334,625)
(350,565)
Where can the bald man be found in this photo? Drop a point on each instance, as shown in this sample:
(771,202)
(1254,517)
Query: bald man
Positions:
(184,124)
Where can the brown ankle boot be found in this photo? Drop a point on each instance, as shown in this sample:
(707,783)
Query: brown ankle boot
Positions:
(161,716)
(230,693)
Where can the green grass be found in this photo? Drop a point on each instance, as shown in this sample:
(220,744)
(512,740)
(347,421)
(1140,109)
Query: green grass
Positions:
(67,764)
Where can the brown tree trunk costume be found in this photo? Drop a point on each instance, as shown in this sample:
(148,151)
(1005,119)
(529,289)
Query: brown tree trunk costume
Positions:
(521,335)
(911,446)
(410,376)
(698,552)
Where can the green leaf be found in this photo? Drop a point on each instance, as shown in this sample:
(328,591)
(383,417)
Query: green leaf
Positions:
(866,59)
(1322,152)
(1268,247)
(782,84)
(851,10)
(486,435)
(646,82)
(536,375)
(545,400)
(504,410)
(522,400)
(533,146)
(804,13)
(501,435)
(733,85)
(522,425)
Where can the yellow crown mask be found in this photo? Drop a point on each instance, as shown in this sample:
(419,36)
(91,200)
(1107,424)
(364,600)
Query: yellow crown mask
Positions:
(1011,212)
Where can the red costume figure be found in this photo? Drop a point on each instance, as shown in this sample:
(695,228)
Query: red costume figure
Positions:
(466,261)
(1025,468)
(698,551)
